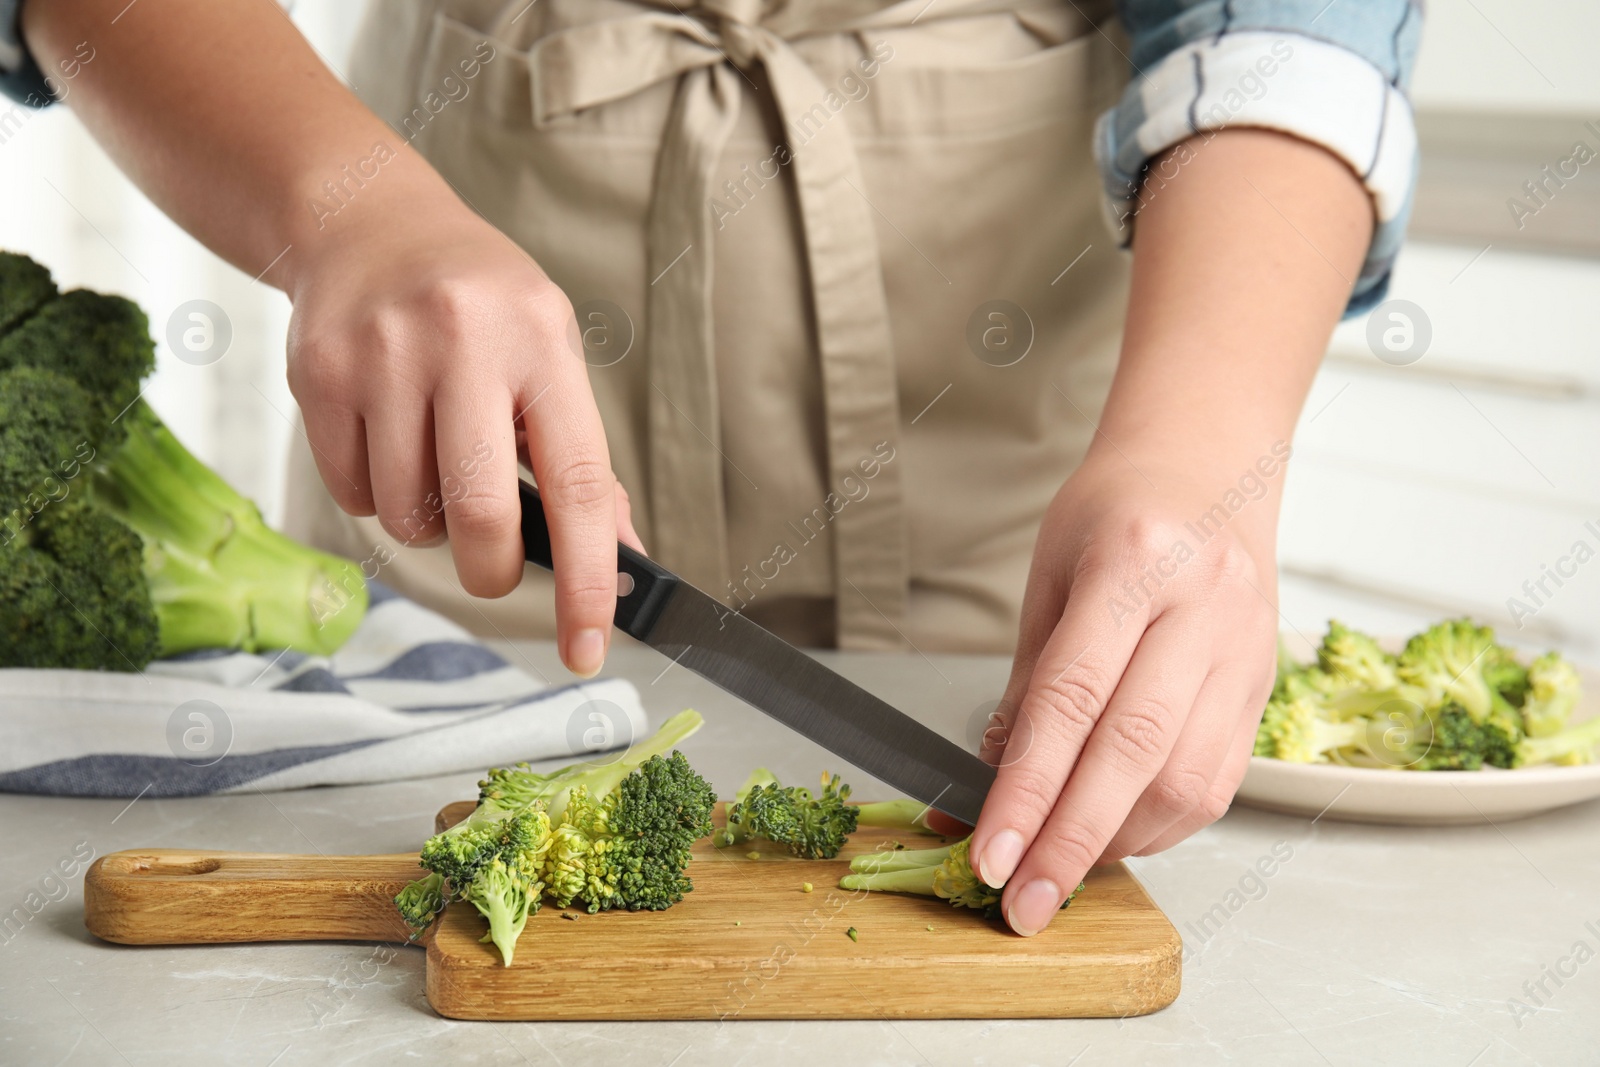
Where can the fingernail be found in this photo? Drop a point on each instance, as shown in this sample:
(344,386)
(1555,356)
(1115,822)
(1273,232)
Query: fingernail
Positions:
(587,653)
(1000,858)
(1034,907)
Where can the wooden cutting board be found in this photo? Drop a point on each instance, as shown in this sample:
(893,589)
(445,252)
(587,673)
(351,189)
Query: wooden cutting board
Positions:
(747,943)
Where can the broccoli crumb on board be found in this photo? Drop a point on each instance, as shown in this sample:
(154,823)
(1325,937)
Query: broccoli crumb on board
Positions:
(851,934)
(806,887)
(574,918)
(752,855)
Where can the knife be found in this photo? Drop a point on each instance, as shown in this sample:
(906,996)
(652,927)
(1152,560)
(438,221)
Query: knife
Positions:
(703,634)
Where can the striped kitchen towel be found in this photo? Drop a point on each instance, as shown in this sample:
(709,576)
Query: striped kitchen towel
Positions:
(410,695)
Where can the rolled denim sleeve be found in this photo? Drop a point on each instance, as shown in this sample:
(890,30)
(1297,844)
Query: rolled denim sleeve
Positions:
(20,77)
(1331,72)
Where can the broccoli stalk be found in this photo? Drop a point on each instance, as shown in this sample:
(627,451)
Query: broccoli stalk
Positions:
(117,545)
(217,574)
(945,873)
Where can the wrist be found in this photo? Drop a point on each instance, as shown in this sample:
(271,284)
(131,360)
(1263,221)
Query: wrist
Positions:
(1237,492)
(348,212)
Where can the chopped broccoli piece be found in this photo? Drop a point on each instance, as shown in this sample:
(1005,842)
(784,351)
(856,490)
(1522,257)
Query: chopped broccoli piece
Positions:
(611,833)
(421,901)
(1296,730)
(1446,661)
(1552,693)
(1355,659)
(945,873)
(116,544)
(812,826)
(852,935)
(1574,745)
(1452,700)
(505,892)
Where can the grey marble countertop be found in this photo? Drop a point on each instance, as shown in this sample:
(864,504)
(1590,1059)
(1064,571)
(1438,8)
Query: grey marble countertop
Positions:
(1367,944)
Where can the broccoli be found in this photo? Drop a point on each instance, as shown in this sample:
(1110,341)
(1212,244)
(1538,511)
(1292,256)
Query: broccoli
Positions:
(813,827)
(613,833)
(505,892)
(117,546)
(1575,744)
(932,872)
(1551,693)
(1355,659)
(1297,730)
(1452,700)
(420,901)
(1446,661)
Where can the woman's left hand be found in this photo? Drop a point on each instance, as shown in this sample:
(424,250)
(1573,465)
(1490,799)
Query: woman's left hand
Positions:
(1145,657)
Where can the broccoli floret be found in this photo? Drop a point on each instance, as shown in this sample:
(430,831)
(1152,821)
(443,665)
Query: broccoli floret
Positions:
(815,827)
(421,901)
(630,848)
(613,833)
(735,830)
(1296,730)
(1573,745)
(812,826)
(1355,659)
(945,873)
(25,287)
(505,892)
(1447,661)
(1552,694)
(118,545)
(459,852)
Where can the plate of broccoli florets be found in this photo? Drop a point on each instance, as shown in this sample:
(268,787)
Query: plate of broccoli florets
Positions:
(1348,729)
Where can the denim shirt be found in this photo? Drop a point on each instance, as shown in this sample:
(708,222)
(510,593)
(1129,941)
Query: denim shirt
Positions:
(1331,72)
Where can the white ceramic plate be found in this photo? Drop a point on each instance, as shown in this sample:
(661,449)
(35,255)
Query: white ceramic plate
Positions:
(1422,798)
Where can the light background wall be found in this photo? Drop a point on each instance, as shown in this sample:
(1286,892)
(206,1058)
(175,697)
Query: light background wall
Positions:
(1416,492)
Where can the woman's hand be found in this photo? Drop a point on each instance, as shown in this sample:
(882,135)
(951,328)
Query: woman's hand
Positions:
(1146,649)
(424,350)
(421,336)
(1145,657)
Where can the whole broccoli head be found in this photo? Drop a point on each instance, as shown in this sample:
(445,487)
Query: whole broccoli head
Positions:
(117,544)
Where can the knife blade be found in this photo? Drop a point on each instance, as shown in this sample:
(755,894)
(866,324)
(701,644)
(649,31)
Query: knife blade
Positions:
(699,632)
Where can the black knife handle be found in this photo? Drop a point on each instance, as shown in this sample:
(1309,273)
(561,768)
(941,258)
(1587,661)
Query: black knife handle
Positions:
(652,584)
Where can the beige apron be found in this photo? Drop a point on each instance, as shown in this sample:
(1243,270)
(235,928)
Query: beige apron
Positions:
(848,301)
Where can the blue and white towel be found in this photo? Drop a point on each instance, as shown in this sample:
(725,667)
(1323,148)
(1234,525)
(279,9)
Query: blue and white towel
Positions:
(410,695)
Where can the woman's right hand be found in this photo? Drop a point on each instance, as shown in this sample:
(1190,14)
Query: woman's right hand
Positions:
(423,346)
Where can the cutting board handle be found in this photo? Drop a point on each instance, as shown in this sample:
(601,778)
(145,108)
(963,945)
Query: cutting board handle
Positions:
(187,897)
